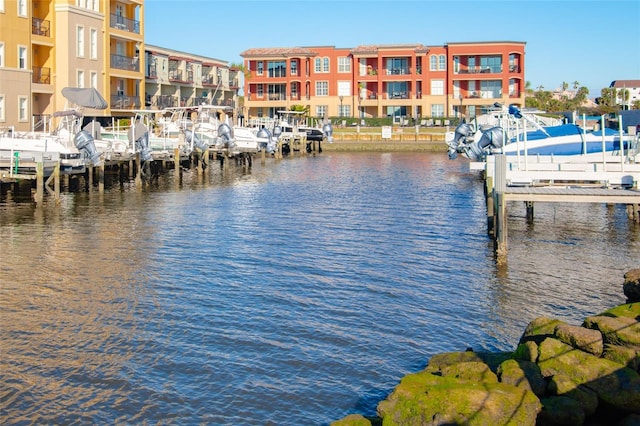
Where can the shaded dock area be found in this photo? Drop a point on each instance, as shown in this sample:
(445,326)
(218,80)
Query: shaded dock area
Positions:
(548,182)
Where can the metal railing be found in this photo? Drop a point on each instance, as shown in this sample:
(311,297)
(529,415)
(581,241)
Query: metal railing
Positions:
(125,63)
(124,102)
(41,27)
(41,75)
(125,24)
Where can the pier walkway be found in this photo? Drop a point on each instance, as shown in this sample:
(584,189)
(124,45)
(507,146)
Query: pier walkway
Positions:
(554,182)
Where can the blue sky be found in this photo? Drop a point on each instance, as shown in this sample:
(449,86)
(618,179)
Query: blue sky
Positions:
(591,41)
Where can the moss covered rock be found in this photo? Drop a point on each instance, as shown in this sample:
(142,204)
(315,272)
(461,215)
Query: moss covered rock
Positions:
(615,384)
(582,338)
(524,374)
(429,399)
(539,329)
(560,410)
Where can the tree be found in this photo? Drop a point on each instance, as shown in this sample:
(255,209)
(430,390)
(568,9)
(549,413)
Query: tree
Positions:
(565,86)
(576,84)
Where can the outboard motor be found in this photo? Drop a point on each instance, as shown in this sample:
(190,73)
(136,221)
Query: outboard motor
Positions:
(225,135)
(142,146)
(277,131)
(270,145)
(513,110)
(327,130)
(462,132)
(194,140)
(139,135)
(85,144)
(492,138)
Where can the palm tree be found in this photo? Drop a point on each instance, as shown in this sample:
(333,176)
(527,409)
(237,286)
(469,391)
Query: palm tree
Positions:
(576,84)
(565,86)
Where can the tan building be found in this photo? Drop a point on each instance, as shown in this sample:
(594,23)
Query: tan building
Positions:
(407,80)
(46,45)
(175,78)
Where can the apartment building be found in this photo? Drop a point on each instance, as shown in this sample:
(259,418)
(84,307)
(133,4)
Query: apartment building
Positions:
(46,45)
(408,80)
(175,78)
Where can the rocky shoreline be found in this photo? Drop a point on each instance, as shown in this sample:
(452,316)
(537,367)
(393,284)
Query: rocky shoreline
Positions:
(559,374)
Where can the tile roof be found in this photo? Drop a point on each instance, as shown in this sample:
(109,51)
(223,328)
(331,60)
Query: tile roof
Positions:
(625,83)
(374,48)
(278,51)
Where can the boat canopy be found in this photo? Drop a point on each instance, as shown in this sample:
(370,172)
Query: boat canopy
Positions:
(85,97)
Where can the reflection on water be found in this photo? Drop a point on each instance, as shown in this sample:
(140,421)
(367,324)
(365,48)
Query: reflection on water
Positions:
(294,293)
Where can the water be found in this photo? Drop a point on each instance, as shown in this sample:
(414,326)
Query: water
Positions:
(296,293)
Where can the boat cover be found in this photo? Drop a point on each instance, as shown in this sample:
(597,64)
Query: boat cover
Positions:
(85,97)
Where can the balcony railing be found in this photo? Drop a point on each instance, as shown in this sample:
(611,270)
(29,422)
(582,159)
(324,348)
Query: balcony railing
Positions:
(125,24)
(128,63)
(161,101)
(152,71)
(277,97)
(124,102)
(175,75)
(208,80)
(40,27)
(41,75)
(397,71)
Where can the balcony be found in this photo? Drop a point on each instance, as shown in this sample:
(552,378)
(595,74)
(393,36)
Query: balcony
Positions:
(124,24)
(397,71)
(207,80)
(41,75)
(40,27)
(124,102)
(175,75)
(129,63)
(161,101)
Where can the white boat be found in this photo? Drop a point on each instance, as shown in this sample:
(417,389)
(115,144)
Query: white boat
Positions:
(76,147)
(519,134)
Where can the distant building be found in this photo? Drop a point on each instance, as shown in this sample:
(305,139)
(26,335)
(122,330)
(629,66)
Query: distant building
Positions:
(633,86)
(404,80)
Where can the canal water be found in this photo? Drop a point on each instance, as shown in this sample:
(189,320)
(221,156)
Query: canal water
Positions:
(293,293)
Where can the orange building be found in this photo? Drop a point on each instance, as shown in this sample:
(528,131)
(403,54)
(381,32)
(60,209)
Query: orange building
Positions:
(408,80)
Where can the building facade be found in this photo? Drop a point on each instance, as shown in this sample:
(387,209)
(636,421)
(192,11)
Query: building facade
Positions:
(180,79)
(47,45)
(411,80)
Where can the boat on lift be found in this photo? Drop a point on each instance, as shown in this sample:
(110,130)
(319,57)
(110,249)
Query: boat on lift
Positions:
(518,134)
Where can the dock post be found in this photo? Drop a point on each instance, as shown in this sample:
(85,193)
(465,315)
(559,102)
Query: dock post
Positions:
(488,193)
(263,156)
(89,173)
(39,195)
(529,207)
(138,171)
(500,207)
(101,179)
(176,162)
(56,182)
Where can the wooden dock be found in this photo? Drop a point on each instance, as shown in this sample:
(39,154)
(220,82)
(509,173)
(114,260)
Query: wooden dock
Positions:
(575,182)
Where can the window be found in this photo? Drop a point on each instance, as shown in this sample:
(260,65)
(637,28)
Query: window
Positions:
(1,6)
(260,91)
(80,78)
(397,66)
(398,90)
(322,65)
(344,111)
(442,63)
(80,3)
(260,68)
(22,57)
(80,41)
(22,8)
(1,54)
(277,69)
(433,63)
(344,64)
(321,110)
(491,89)
(294,67)
(2,108)
(22,109)
(437,87)
(94,43)
(437,110)
(492,63)
(94,79)
(322,88)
